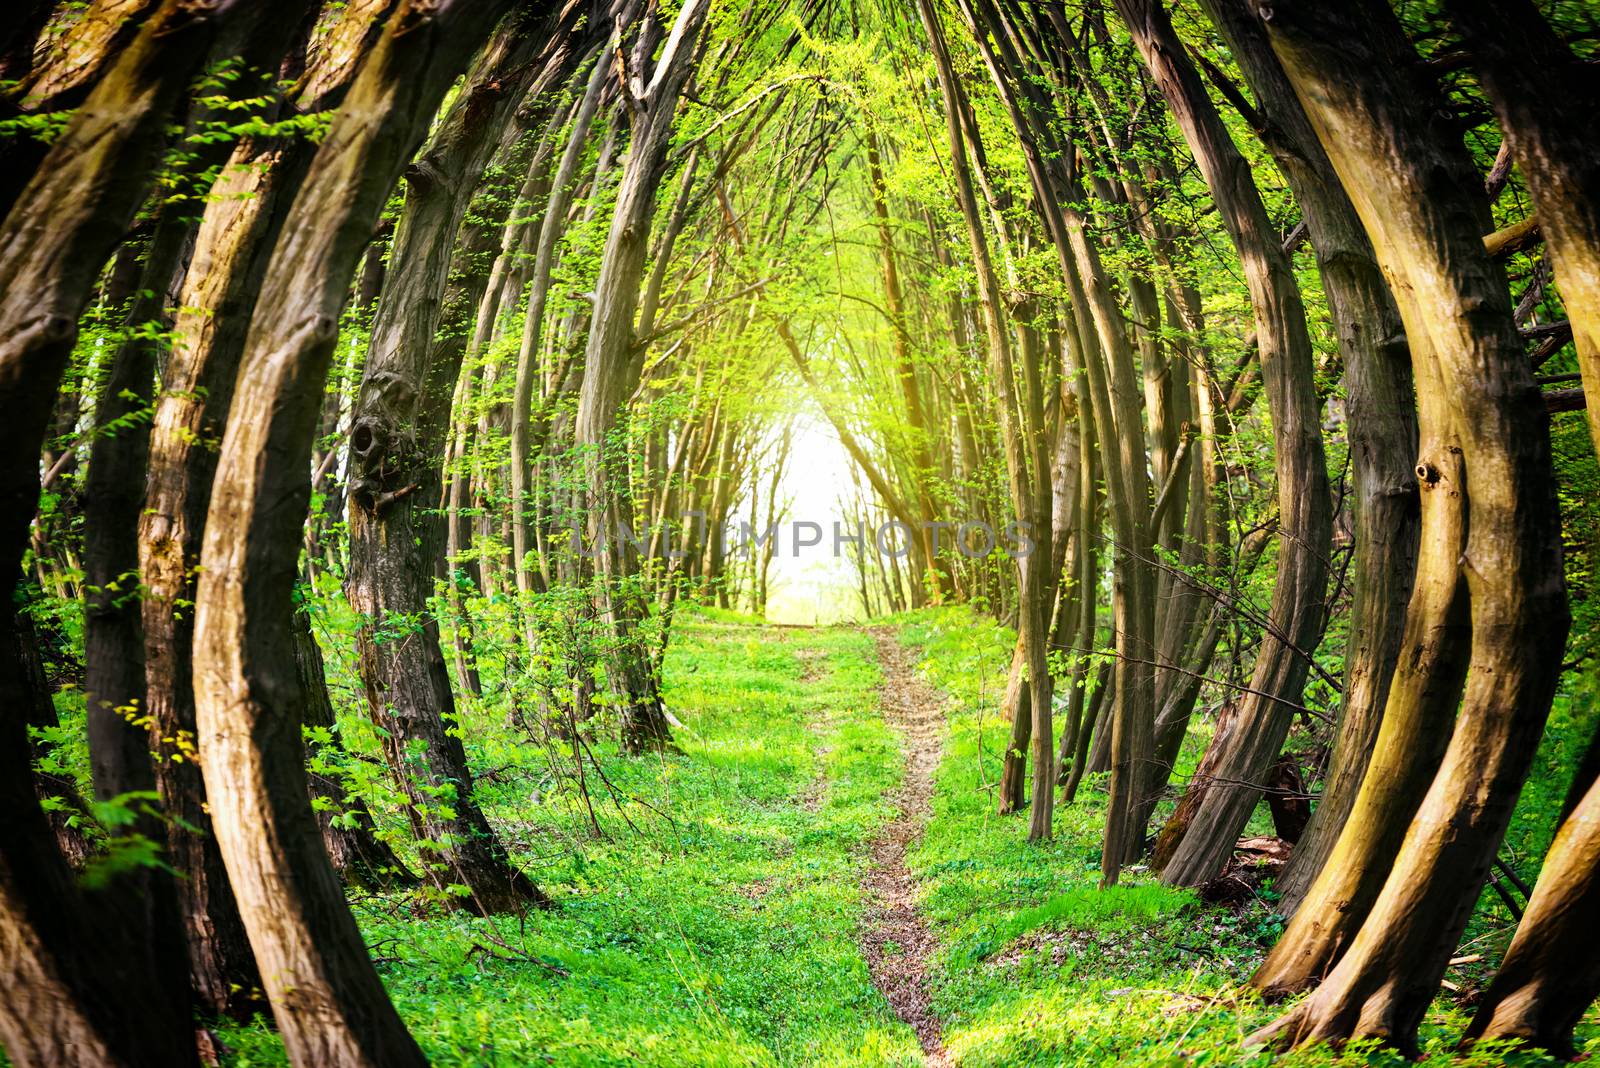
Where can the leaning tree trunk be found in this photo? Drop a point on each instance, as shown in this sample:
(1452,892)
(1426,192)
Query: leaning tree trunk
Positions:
(1485,447)
(66,69)
(397,440)
(329,1003)
(563,185)
(1216,808)
(1028,703)
(1116,399)
(1547,100)
(222,971)
(241,224)
(1379,414)
(79,983)
(612,367)
(1551,973)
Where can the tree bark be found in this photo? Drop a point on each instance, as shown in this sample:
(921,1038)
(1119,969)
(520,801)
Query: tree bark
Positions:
(1379,411)
(1484,450)
(1551,974)
(613,362)
(68,68)
(79,980)
(329,1003)
(397,439)
(1547,100)
(1296,618)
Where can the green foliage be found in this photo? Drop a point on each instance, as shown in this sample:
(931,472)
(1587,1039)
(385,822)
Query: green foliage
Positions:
(712,922)
(1039,966)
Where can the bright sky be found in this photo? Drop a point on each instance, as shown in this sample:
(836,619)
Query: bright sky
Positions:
(812,585)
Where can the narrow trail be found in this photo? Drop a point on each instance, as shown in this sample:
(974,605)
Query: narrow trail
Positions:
(895,939)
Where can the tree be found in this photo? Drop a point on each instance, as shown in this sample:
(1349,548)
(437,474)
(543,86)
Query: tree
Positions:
(1380,417)
(612,362)
(1545,98)
(397,439)
(247,205)
(1492,554)
(1213,811)
(328,1000)
(84,981)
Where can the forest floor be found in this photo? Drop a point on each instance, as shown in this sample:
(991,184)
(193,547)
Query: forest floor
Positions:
(818,878)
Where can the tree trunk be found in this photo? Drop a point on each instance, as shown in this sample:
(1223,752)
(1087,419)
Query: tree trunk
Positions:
(68,68)
(612,365)
(1485,446)
(220,965)
(1028,695)
(79,983)
(329,1003)
(1297,617)
(906,372)
(1379,410)
(358,855)
(562,188)
(1547,100)
(1551,974)
(397,439)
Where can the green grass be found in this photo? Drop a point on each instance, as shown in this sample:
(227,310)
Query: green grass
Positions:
(720,929)
(714,921)
(1040,967)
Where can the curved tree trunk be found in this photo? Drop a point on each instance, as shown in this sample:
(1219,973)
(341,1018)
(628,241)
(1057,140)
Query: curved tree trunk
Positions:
(1485,448)
(68,68)
(115,510)
(612,365)
(1209,823)
(1382,430)
(397,440)
(1547,100)
(79,982)
(330,1005)
(1551,974)
(1021,425)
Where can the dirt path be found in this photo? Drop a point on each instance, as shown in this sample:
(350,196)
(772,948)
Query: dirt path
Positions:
(895,940)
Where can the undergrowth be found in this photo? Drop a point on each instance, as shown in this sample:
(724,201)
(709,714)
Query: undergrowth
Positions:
(1038,966)
(714,922)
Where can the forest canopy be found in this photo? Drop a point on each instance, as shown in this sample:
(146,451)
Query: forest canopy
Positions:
(799,532)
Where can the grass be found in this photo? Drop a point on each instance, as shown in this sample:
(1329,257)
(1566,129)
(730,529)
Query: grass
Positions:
(1038,966)
(720,929)
(713,919)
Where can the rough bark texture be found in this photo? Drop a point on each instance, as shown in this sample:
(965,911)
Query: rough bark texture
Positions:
(79,982)
(612,364)
(1547,101)
(1296,618)
(397,440)
(329,1003)
(247,206)
(1423,205)
(1381,426)
(1551,973)
(67,68)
